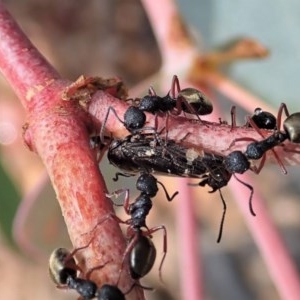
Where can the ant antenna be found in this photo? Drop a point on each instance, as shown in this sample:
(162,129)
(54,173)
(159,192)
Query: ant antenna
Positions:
(223,217)
(250,187)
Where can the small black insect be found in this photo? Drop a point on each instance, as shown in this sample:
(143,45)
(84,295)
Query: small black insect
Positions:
(138,153)
(145,153)
(257,149)
(141,250)
(63,271)
(188,100)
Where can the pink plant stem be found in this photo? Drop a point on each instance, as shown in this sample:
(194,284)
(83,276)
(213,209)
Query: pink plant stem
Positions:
(17,54)
(188,246)
(272,248)
(58,131)
(171,36)
(236,93)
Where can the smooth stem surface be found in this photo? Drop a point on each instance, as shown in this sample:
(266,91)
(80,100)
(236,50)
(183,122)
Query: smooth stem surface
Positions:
(188,247)
(21,63)
(276,256)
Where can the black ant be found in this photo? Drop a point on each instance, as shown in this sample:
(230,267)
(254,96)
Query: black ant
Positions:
(63,271)
(189,100)
(257,149)
(238,161)
(141,250)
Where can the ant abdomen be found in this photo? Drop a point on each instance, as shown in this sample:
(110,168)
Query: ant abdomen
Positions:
(61,266)
(142,257)
(264,119)
(291,126)
(197,100)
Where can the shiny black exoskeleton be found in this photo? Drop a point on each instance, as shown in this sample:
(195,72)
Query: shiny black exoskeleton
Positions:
(147,184)
(63,271)
(257,149)
(264,119)
(143,152)
(142,256)
(134,120)
(188,100)
(140,250)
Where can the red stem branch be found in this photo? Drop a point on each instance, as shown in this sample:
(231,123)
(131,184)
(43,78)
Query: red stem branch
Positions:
(58,131)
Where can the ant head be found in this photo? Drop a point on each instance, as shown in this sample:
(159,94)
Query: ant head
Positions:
(218,178)
(134,118)
(110,292)
(291,126)
(85,288)
(197,100)
(236,162)
(62,266)
(147,184)
(142,257)
(264,119)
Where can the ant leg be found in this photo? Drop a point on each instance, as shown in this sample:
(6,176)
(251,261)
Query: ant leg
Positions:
(280,163)
(80,248)
(223,217)
(181,100)
(103,219)
(165,244)
(137,284)
(105,121)
(175,85)
(119,192)
(69,262)
(233,118)
(282,108)
(245,139)
(89,273)
(257,170)
(166,192)
(167,128)
(250,187)
(127,251)
(151,91)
